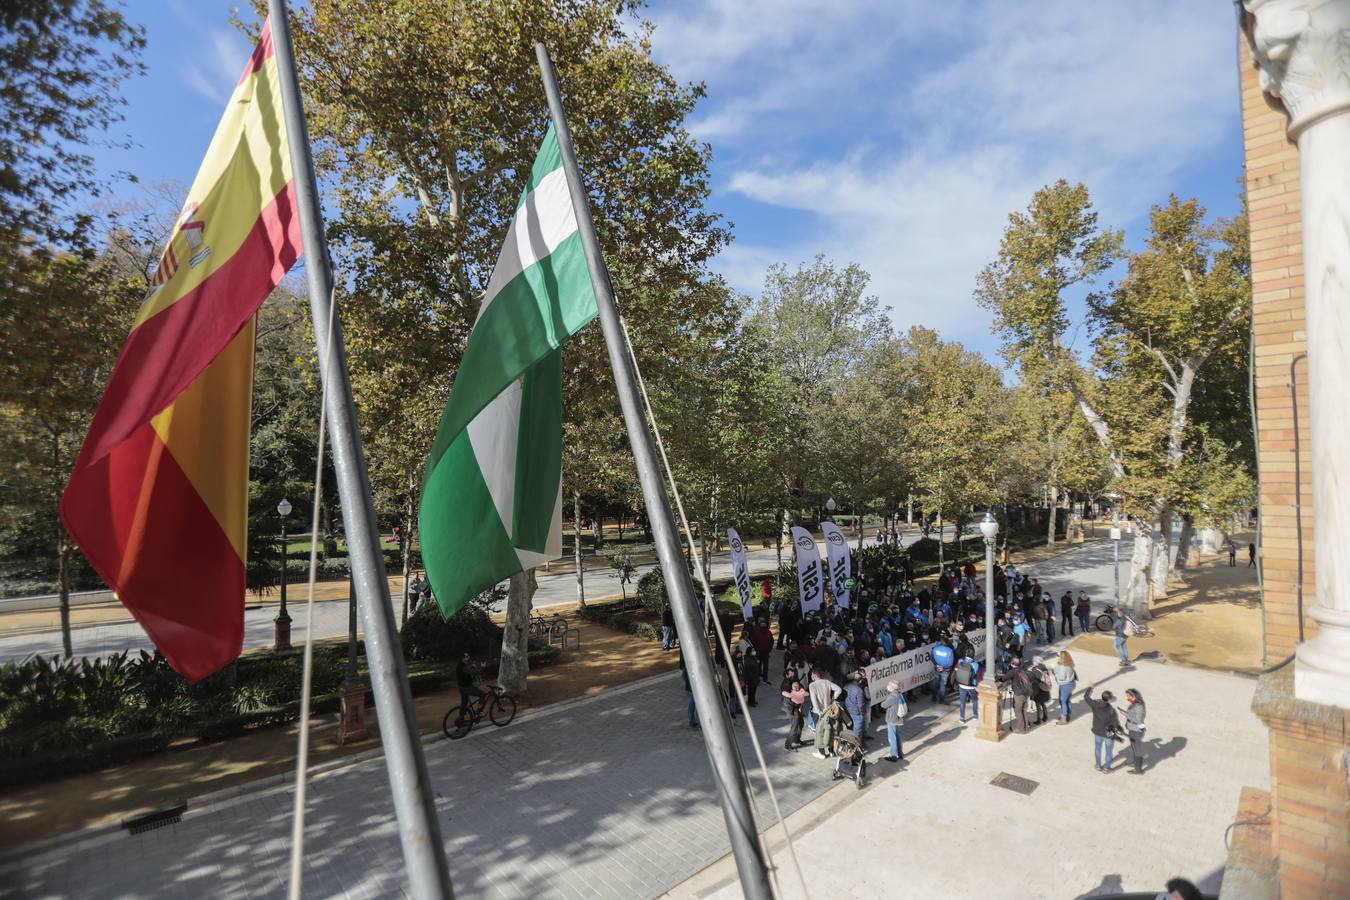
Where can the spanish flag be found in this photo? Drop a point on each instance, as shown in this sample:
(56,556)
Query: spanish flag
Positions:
(158,499)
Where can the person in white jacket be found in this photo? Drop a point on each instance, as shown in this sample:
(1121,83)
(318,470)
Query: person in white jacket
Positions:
(896,710)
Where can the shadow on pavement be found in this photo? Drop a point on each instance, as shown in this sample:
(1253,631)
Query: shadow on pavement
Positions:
(1156,751)
(1110,884)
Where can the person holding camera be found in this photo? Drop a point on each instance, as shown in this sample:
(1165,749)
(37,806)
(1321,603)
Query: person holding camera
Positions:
(1105,728)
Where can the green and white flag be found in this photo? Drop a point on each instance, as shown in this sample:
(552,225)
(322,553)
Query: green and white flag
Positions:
(492,501)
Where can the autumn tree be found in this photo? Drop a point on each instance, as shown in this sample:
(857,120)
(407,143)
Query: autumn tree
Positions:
(64,65)
(64,321)
(1184,296)
(425,114)
(817,323)
(954,424)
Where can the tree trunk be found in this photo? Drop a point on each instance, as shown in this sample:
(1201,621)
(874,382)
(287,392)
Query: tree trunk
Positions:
(330,547)
(1050,531)
(406,531)
(63,586)
(909,511)
(1162,553)
(515,666)
(1135,593)
(1184,541)
(782,526)
(704,562)
(941,560)
(576,548)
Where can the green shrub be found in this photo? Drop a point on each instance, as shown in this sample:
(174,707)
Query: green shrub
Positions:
(651,590)
(427,635)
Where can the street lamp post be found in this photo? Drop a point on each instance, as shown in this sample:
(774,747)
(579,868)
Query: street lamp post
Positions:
(281,638)
(990,725)
(830,508)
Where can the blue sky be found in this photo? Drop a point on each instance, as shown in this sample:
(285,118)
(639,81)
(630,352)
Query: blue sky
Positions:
(897,134)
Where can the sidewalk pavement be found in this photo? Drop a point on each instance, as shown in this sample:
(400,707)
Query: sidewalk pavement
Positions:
(941,827)
(610,797)
(606,660)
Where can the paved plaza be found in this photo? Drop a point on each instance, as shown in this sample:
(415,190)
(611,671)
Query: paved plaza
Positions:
(940,827)
(609,797)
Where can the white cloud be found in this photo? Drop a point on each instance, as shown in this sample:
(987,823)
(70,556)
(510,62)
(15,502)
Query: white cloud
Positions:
(901,136)
(215,62)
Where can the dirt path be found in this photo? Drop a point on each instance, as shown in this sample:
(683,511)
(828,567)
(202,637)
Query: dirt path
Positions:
(1211,619)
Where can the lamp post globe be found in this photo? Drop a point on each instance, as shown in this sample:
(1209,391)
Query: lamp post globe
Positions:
(830,506)
(281,637)
(989,528)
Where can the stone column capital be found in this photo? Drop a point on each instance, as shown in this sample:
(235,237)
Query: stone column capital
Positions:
(1302,50)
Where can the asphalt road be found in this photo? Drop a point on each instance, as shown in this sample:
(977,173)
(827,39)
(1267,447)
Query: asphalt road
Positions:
(330,617)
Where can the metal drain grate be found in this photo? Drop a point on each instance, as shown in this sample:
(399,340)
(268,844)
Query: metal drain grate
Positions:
(1014,783)
(156,818)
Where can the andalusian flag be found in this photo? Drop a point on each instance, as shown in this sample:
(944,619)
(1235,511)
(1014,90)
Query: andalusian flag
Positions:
(492,502)
(158,500)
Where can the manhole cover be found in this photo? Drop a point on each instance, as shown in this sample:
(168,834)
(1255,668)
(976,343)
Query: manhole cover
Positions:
(1015,783)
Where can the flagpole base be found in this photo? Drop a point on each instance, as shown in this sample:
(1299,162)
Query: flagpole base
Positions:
(352,705)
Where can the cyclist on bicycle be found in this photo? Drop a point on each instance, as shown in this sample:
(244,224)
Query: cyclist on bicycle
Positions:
(466,676)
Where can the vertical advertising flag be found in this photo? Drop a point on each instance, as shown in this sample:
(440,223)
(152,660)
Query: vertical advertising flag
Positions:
(158,499)
(836,552)
(810,578)
(740,567)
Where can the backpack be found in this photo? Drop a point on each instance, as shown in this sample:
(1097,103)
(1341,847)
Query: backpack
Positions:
(1047,680)
(965,674)
(1021,681)
(838,717)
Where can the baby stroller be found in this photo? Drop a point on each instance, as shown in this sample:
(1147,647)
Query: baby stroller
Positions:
(850,761)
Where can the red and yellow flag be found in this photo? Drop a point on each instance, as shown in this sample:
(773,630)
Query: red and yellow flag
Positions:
(158,499)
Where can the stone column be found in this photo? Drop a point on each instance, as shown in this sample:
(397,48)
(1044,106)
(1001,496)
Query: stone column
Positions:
(989,727)
(1302,49)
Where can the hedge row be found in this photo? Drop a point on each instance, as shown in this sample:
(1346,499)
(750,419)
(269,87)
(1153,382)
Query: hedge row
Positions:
(58,718)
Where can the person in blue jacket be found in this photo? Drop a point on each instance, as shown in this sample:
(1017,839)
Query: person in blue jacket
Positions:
(943,659)
(915,614)
(855,700)
(886,639)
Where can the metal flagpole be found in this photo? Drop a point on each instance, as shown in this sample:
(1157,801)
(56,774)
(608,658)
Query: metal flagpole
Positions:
(414,805)
(732,784)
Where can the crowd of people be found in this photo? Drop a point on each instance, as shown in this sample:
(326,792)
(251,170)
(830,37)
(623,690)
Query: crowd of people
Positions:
(822,679)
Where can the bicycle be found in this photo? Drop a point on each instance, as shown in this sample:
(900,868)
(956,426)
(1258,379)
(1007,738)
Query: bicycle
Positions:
(1107,621)
(501,711)
(547,628)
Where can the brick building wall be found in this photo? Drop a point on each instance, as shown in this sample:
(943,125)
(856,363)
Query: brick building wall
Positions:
(1277,307)
(1300,847)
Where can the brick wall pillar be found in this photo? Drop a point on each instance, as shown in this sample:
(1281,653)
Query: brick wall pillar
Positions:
(1275,209)
(1302,51)
(1298,215)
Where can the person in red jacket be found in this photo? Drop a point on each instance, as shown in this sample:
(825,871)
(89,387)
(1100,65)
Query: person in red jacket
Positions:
(761,638)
